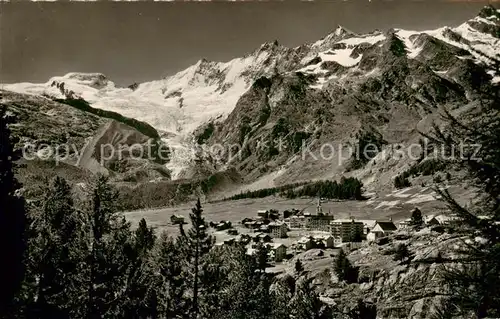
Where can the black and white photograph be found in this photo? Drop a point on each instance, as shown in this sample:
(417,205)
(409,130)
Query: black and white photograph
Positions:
(328,159)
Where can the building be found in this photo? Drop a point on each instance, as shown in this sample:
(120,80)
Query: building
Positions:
(278,229)
(319,209)
(177,219)
(296,221)
(262,213)
(348,230)
(277,251)
(264,229)
(444,220)
(381,229)
(243,239)
(260,238)
(265,238)
(254,224)
(223,225)
(325,240)
(305,243)
(337,241)
(320,221)
(329,241)
(367,225)
(404,223)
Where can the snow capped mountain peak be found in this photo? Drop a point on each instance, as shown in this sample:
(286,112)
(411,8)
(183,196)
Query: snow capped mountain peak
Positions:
(208,91)
(490,13)
(94,80)
(269,45)
(340,30)
(338,34)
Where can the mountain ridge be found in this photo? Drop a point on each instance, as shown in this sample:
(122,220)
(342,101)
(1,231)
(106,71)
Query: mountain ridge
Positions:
(410,73)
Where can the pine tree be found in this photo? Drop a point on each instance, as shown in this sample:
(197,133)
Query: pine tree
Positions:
(416,218)
(261,300)
(215,279)
(196,243)
(281,295)
(402,253)
(261,256)
(108,258)
(56,254)
(472,286)
(306,303)
(363,310)
(166,296)
(144,238)
(299,268)
(343,268)
(139,277)
(13,221)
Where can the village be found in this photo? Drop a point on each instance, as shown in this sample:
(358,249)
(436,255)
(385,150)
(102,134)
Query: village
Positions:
(295,231)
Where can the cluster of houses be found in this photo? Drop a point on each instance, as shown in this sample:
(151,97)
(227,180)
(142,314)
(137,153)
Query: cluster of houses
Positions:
(340,230)
(434,220)
(267,222)
(277,251)
(269,225)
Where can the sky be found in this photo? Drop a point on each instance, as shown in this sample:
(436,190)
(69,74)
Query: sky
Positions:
(144,41)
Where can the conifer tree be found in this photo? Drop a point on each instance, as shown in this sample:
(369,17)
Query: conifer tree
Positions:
(417,218)
(472,284)
(196,243)
(363,310)
(13,221)
(108,258)
(140,275)
(56,254)
(298,266)
(343,268)
(306,303)
(166,296)
(281,296)
(261,256)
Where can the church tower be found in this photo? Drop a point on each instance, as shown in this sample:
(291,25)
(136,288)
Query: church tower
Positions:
(319,209)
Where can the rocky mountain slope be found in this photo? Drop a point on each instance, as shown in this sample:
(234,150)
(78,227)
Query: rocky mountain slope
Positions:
(59,139)
(256,113)
(384,88)
(399,285)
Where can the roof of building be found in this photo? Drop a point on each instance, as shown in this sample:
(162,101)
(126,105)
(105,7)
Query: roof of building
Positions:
(255,234)
(441,218)
(275,245)
(367,222)
(322,217)
(322,237)
(387,225)
(276,224)
(304,240)
(341,221)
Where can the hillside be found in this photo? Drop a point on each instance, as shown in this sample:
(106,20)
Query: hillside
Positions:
(408,288)
(59,139)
